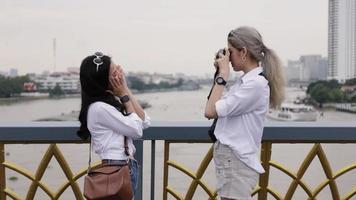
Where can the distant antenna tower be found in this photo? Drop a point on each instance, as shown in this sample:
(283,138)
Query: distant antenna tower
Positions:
(54,55)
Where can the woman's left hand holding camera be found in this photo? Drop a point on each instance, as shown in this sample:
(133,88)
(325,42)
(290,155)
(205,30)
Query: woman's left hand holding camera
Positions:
(223,61)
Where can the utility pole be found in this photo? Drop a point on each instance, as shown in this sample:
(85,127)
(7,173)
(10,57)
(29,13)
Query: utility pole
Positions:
(54,55)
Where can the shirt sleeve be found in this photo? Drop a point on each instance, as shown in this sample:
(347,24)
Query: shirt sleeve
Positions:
(147,122)
(130,126)
(246,98)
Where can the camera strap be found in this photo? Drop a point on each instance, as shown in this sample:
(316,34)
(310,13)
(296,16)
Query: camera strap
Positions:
(215,75)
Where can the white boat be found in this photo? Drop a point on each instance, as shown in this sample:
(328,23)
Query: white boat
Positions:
(293,112)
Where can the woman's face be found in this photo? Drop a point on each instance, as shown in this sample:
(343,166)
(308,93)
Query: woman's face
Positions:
(236,58)
(115,70)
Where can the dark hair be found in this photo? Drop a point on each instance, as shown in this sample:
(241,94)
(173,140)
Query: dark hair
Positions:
(94,84)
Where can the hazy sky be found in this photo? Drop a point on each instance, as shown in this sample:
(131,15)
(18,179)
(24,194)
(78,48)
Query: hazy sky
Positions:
(166,36)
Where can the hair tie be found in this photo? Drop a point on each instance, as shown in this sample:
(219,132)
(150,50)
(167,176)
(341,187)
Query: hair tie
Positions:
(265,49)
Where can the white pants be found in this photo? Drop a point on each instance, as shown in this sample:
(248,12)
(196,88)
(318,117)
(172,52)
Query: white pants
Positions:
(235,180)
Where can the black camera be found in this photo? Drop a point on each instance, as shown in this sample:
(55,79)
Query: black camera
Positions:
(223,51)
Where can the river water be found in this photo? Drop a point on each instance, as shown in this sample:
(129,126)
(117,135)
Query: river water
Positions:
(169,106)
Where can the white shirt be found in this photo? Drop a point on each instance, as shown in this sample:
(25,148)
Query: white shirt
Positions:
(108,127)
(241,115)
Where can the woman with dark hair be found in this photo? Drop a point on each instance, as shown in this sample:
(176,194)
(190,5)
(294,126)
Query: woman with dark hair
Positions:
(110,115)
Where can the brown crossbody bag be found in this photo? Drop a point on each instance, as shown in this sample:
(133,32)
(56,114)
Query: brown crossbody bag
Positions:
(108,182)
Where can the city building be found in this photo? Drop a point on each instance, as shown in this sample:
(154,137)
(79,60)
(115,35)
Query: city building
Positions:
(29,87)
(293,70)
(13,72)
(69,82)
(313,68)
(167,78)
(73,70)
(342,40)
(307,69)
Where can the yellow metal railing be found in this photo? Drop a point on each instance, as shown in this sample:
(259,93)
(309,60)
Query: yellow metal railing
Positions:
(52,151)
(52,133)
(263,187)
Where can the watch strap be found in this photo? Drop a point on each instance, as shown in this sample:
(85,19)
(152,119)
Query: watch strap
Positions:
(124,99)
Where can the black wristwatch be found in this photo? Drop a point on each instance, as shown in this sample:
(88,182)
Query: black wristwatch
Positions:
(220,81)
(124,99)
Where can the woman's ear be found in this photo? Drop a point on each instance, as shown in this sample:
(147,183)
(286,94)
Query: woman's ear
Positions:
(244,52)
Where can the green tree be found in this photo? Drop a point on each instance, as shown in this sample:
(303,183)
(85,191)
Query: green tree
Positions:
(12,86)
(179,82)
(331,84)
(320,93)
(56,91)
(164,84)
(351,82)
(336,95)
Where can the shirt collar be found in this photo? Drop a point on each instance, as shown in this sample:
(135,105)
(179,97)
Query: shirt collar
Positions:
(251,74)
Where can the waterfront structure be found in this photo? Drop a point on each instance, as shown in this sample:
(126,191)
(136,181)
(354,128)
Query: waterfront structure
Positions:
(29,87)
(69,82)
(293,112)
(342,40)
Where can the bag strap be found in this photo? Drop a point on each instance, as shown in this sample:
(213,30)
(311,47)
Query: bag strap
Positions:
(126,147)
(127,153)
(89,163)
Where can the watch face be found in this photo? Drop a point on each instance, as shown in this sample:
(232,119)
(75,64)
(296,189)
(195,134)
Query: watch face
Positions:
(124,99)
(220,81)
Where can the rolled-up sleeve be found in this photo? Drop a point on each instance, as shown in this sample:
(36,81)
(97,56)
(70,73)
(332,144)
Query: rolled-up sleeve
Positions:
(130,126)
(246,98)
(147,122)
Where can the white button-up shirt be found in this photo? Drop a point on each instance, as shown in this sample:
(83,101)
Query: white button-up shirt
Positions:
(108,127)
(241,116)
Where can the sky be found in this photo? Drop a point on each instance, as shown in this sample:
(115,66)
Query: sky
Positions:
(164,36)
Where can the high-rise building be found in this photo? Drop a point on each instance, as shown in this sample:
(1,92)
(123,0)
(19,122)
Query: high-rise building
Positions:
(314,67)
(13,72)
(342,40)
(307,69)
(293,70)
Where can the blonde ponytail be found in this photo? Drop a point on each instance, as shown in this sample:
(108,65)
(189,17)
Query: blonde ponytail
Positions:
(272,68)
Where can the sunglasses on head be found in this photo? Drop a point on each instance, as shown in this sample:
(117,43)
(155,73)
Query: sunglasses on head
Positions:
(97,60)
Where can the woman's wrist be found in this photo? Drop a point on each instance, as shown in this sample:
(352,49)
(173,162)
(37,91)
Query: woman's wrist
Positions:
(122,92)
(224,74)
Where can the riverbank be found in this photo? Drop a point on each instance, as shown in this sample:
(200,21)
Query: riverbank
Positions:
(344,107)
(12,100)
(166,106)
(18,99)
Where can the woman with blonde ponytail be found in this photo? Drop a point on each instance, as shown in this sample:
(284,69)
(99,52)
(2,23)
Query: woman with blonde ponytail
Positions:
(240,113)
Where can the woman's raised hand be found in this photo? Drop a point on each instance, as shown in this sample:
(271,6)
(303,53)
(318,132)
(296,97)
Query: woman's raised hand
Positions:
(118,82)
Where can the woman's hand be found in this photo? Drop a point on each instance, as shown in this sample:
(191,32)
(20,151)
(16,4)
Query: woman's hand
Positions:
(118,82)
(222,62)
